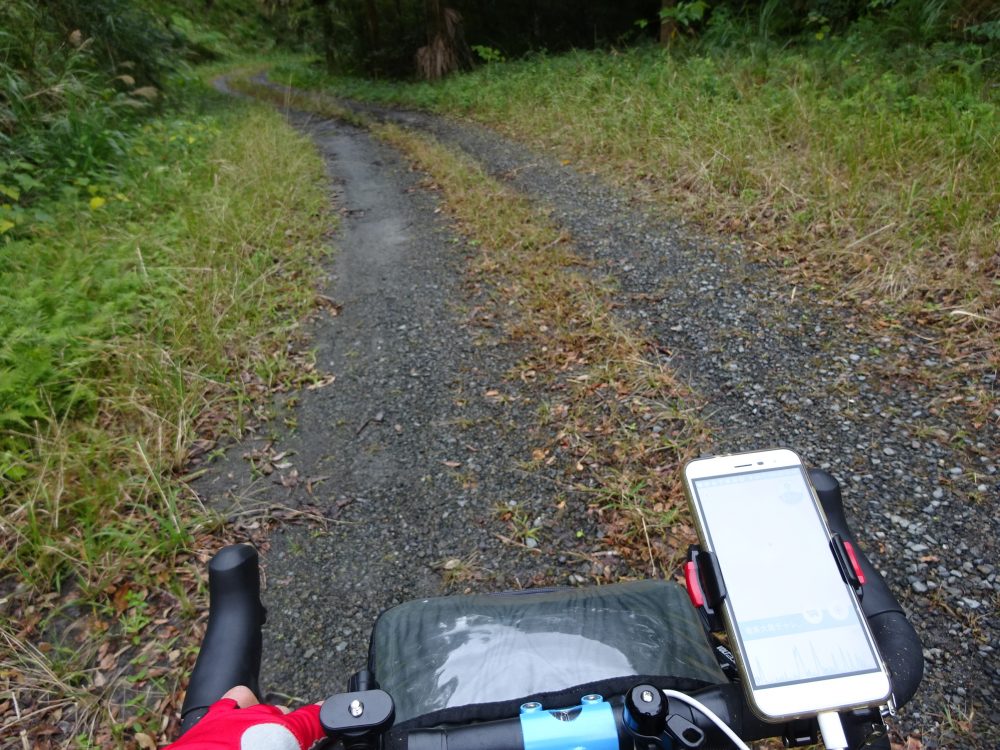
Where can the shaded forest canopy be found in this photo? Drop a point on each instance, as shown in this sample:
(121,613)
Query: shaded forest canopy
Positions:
(384,37)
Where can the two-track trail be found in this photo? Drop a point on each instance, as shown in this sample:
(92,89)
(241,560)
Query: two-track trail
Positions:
(411,454)
(419,453)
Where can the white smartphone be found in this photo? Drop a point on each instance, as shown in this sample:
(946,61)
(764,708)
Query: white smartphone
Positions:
(800,637)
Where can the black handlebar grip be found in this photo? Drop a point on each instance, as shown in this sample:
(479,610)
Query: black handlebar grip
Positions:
(230,653)
(898,641)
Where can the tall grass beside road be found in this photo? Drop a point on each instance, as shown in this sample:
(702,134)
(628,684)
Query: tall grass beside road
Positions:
(874,180)
(135,326)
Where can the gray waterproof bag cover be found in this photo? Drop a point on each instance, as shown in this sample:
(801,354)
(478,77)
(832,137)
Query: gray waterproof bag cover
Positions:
(460,659)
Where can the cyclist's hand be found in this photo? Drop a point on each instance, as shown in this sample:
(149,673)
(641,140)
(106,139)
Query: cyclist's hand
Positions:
(238,721)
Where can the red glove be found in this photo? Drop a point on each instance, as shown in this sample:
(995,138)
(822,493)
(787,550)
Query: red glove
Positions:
(226,726)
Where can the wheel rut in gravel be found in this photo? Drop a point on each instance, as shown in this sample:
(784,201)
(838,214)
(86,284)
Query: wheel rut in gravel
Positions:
(408,454)
(776,365)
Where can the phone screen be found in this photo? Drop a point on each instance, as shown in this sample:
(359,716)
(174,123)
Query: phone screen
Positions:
(794,615)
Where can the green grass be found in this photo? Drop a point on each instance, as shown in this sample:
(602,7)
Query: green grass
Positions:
(148,312)
(876,182)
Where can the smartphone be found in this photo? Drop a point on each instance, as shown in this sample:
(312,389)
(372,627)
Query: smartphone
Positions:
(801,640)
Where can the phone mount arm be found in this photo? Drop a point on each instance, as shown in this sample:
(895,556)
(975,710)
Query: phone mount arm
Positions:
(705,586)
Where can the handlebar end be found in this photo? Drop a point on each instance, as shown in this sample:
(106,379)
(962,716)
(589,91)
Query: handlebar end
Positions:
(231,650)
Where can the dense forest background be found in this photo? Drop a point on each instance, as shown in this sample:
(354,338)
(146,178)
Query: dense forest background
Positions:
(383,37)
(75,75)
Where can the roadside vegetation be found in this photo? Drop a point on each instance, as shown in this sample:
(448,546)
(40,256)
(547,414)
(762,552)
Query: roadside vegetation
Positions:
(866,162)
(158,246)
(139,326)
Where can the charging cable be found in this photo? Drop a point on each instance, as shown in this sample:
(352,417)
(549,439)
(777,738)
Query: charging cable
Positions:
(830,726)
(832,730)
(699,706)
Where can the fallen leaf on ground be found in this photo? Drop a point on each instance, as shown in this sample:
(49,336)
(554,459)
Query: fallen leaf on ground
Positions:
(323,301)
(321,383)
(313,481)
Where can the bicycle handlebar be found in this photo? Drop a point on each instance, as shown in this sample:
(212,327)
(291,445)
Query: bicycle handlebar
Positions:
(898,642)
(231,652)
(686,726)
(726,701)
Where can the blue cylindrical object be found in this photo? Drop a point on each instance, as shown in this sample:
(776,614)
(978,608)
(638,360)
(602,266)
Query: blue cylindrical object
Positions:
(589,726)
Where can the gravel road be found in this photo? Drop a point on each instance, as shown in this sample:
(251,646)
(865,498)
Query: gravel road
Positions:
(410,459)
(412,453)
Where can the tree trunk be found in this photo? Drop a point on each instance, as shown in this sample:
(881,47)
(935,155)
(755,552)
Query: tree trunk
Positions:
(371,24)
(322,8)
(668,26)
(446,50)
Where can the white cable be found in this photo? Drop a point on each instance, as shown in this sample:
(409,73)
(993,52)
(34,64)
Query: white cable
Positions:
(697,705)
(832,730)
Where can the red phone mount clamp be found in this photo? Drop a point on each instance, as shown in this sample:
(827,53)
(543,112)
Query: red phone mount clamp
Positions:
(847,561)
(705,587)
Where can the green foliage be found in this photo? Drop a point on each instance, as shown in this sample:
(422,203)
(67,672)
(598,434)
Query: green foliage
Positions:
(78,77)
(989,31)
(202,44)
(214,29)
(74,81)
(819,24)
(56,311)
(685,13)
(121,316)
(890,22)
(488,54)
(125,38)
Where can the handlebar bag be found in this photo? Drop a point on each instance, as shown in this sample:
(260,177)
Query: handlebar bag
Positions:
(461,659)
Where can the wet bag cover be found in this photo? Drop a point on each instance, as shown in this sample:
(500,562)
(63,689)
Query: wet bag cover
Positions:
(478,658)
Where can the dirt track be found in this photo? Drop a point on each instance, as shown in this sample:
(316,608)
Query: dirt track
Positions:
(410,452)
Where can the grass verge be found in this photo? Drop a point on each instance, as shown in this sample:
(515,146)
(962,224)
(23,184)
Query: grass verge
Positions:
(137,326)
(622,419)
(874,183)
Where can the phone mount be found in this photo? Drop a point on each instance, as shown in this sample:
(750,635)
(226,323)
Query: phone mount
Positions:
(847,562)
(705,587)
(707,590)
